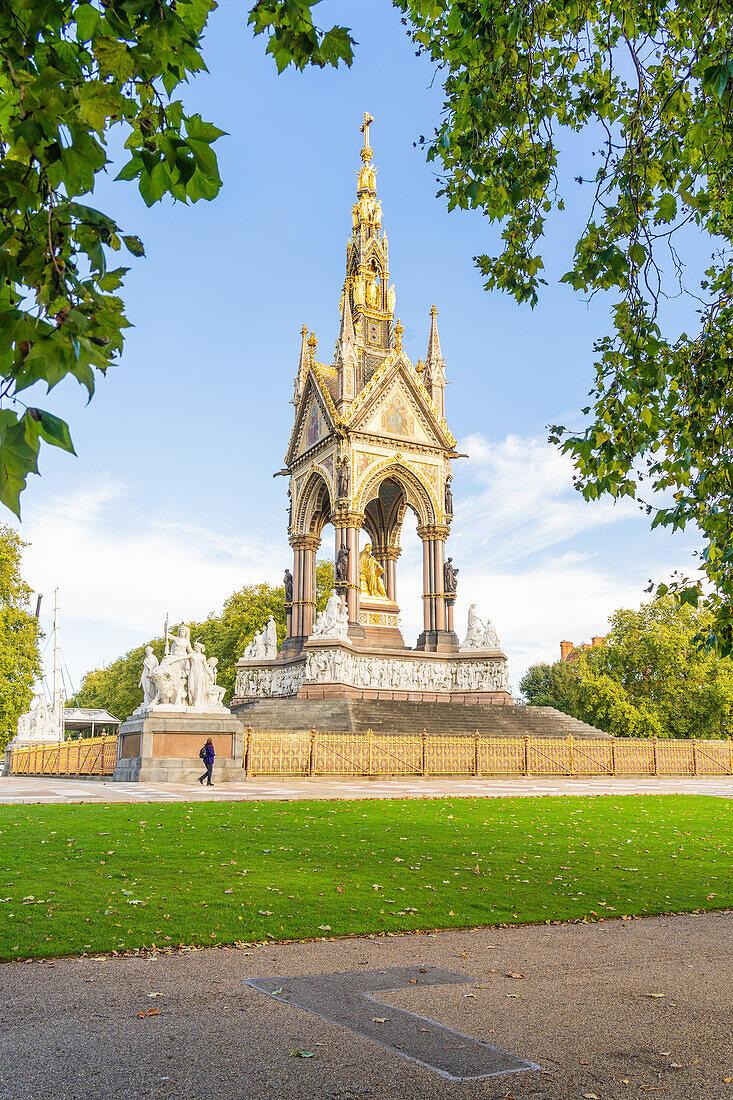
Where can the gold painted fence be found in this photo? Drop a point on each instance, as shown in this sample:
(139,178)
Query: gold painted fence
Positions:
(87,756)
(274,752)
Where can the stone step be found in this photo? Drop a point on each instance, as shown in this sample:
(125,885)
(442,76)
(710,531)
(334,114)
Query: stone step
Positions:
(403,716)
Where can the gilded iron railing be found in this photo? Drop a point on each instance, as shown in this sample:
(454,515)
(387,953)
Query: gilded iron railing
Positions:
(86,756)
(272,752)
(275,752)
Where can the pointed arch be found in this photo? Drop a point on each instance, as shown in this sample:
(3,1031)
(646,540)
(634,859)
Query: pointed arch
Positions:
(313,506)
(417,493)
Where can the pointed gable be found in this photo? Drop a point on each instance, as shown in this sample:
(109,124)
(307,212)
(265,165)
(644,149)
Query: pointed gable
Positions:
(394,403)
(315,417)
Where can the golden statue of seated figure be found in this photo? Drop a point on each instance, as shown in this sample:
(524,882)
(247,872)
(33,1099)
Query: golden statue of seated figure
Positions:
(370,574)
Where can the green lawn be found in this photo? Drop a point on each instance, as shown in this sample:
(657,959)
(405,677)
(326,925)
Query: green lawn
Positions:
(118,877)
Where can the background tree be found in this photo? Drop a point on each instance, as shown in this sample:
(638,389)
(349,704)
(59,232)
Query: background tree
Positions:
(20,661)
(649,83)
(69,73)
(649,677)
(117,687)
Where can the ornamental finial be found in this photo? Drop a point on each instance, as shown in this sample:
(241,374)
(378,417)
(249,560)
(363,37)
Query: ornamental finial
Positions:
(312,345)
(398,330)
(366,153)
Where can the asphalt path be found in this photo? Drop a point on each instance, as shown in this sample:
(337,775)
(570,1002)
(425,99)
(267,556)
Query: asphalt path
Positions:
(50,789)
(616,1009)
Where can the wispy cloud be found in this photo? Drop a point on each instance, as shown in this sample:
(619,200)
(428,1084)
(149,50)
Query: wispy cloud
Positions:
(120,569)
(519,540)
(525,500)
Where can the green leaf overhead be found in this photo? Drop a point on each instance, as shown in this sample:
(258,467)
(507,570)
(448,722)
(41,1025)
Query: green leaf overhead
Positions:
(69,73)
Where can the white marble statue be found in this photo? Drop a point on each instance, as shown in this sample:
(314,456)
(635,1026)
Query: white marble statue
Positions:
(39,723)
(147,683)
(183,679)
(198,679)
(215,692)
(475,631)
(270,633)
(490,639)
(333,621)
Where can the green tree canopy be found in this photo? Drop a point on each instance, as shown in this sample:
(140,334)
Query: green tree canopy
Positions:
(649,85)
(69,73)
(20,661)
(224,635)
(648,677)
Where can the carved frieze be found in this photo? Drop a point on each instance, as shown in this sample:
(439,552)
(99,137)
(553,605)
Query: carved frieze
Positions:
(329,665)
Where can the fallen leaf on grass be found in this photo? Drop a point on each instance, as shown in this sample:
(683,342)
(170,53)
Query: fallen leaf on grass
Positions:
(510,975)
(379,1019)
(148,1012)
(656,995)
(590,1096)
(727,1080)
(302,1053)
(276,991)
(154,994)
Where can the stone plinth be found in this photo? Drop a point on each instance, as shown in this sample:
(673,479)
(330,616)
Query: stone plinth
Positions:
(163,746)
(379,619)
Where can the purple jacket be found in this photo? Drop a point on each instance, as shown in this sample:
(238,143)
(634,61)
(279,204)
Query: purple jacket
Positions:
(210,754)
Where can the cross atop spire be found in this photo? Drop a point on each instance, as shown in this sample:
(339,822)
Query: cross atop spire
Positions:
(366,153)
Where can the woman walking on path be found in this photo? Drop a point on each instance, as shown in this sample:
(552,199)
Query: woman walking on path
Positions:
(207,755)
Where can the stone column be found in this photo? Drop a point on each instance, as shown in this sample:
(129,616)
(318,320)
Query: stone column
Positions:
(304,592)
(294,617)
(348,524)
(426,598)
(390,555)
(437,635)
(309,584)
(439,558)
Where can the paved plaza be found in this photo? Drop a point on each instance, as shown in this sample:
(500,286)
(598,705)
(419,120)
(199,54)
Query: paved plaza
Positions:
(610,1011)
(57,789)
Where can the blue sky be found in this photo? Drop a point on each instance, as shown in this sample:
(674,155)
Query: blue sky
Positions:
(171,504)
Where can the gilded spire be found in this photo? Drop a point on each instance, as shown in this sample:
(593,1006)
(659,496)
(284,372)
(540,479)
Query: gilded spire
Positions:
(434,375)
(434,352)
(312,345)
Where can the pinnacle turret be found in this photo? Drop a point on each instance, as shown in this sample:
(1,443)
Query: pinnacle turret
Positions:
(302,366)
(346,336)
(434,374)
